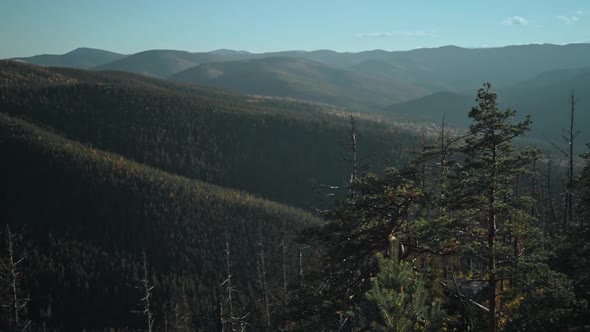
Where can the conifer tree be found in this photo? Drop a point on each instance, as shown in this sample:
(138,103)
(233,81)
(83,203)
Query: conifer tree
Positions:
(493,223)
(379,209)
(403,301)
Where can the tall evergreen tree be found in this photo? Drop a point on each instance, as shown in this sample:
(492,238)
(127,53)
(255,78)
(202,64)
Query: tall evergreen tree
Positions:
(491,222)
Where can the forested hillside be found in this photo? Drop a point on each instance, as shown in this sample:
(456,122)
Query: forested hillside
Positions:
(294,166)
(84,217)
(279,150)
(302,79)
(407,74)
(90,214)
(116,194)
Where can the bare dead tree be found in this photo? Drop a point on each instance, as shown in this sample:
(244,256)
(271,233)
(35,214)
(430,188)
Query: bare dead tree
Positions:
(423,167)
(146,288)
(165,321)
(549,190)
(300,274)
(353,148)
(261,267)
(301,278)
(284,279)
(227,319)
(12,277)
(358,165)
(568,138)
(440,154)
(182,315)
(219,319)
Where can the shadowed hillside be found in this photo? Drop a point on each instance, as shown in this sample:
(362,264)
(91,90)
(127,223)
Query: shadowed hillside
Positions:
(93,214)
(277,149)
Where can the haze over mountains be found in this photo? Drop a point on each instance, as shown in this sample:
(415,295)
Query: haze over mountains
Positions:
(177,153)
(301,79)
(364,81)
(544,97)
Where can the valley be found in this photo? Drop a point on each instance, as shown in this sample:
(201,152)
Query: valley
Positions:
(267,191)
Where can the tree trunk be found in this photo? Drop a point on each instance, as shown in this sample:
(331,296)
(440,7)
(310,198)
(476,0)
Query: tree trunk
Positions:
(263,285)
(284,272)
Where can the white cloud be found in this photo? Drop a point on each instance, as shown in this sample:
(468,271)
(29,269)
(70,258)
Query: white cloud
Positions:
(568,19)
(579,12)
(397,34)
(515,20)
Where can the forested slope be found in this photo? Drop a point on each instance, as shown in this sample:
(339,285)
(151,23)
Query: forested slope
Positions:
(273,148)
(302,79)
(85,216)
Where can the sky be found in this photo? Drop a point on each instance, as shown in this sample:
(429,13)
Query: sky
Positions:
(30,27)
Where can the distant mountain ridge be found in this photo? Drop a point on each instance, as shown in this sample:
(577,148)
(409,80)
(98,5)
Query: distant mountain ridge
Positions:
(544,97)
(83,58)
(362,81)
(160,63)
(301,79)
(224,51)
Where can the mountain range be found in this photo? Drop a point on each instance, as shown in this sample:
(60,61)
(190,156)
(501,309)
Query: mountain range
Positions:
(544,97)
(196,159)
(370,81)
(301,79)
(416,85)
(79,58)
(364,81)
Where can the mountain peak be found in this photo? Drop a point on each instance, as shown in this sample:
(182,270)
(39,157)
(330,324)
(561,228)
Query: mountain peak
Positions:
(225,51)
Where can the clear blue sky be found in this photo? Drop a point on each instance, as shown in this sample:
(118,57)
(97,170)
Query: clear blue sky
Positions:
(29,27)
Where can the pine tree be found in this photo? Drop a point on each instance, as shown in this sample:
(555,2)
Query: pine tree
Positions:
(491,221)
(496,229)
(379,209)
(402,298)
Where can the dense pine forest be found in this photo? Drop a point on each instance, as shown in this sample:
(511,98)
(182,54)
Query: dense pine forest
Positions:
(273,148)
(133,203)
